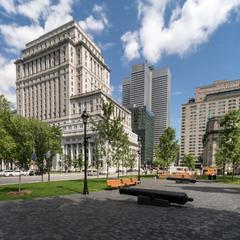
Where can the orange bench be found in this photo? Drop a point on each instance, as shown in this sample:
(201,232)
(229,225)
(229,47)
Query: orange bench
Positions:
(182,175)
(135,181)
(127,182)
(163,176)
(114,183)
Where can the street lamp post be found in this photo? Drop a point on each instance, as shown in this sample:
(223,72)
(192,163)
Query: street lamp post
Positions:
(85,118)
(139,156)
(48,155)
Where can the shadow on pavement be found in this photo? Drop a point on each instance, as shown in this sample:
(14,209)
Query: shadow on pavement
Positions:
(104,218)
(212,189)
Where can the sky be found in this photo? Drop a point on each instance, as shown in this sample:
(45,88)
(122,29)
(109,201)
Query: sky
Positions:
(198,40)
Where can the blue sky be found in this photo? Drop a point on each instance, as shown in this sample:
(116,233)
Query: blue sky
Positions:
(197,40)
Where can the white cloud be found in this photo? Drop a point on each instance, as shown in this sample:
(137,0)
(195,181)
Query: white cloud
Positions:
(17,36)
(7,79)
(97,23)
(106,46)
(131,45)
(189,26)
(59,14)
(33,9)
(8,5)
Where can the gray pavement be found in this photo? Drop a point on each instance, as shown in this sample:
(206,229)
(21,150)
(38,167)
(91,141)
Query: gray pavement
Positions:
(214,214)
(54,177)
(31,179)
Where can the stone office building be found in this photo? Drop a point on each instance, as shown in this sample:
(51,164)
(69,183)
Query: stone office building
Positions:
(60,74)
(214,100)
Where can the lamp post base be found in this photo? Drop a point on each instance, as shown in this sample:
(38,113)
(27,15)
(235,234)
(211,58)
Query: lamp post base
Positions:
(85,187)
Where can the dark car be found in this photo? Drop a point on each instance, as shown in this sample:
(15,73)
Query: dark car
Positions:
(37,172)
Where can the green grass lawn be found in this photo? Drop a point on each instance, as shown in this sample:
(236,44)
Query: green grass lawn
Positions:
(223,179)
(57,188)
(47,189)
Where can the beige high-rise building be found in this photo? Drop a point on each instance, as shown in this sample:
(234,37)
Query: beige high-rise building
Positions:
(58,76)
(210,101)
(60,64)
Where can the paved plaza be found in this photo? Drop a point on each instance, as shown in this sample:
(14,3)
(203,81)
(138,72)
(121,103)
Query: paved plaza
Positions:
(214,214)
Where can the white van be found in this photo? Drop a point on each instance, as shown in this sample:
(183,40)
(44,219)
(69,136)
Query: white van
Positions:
(178,169)
(92,172)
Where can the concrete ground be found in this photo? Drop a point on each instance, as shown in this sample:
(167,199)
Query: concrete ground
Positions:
(214,214)
(54,177)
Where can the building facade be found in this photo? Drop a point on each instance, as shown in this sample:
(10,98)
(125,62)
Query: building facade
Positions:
(214,100)
(210,142)
(58,76)
(142,125)
(161,92)
(151,88)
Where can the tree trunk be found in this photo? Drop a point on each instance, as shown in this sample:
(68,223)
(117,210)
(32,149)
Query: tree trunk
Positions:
(48,174)
(224,166)
(233,171)
(107,170)
(118,169)
(19,182)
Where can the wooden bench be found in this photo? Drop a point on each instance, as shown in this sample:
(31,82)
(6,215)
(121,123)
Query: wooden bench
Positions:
(163,176)
(127,182)
(114,183)
(135,181)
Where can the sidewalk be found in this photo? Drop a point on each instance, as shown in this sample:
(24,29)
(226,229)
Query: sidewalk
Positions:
(214,214)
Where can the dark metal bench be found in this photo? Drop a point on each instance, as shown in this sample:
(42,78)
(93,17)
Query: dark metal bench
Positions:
(156,197)
(182,180)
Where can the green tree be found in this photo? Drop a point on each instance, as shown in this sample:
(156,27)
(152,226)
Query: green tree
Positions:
(5,105)
(229,141)
(67,161)
(78,162)
(120,145)
(109,130)
(54,135)
(20,136)
(40,142)
(16,140)
(46,139)
(7,146)
(7,143)
(189,161)
(166,151)
(98,152)
(130,160)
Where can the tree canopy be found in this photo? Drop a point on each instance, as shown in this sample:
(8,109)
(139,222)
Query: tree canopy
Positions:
(167,149)
(229,141)
(189,161)
(110,131)
(20,137)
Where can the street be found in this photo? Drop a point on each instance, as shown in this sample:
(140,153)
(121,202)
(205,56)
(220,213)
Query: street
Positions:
(53,177)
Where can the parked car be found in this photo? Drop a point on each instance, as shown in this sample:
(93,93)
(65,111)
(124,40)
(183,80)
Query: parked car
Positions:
(38,172)
(25,172)
(16,173)
(1,173)
(92,172)
(8,173)
(103,172)
(31,172)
